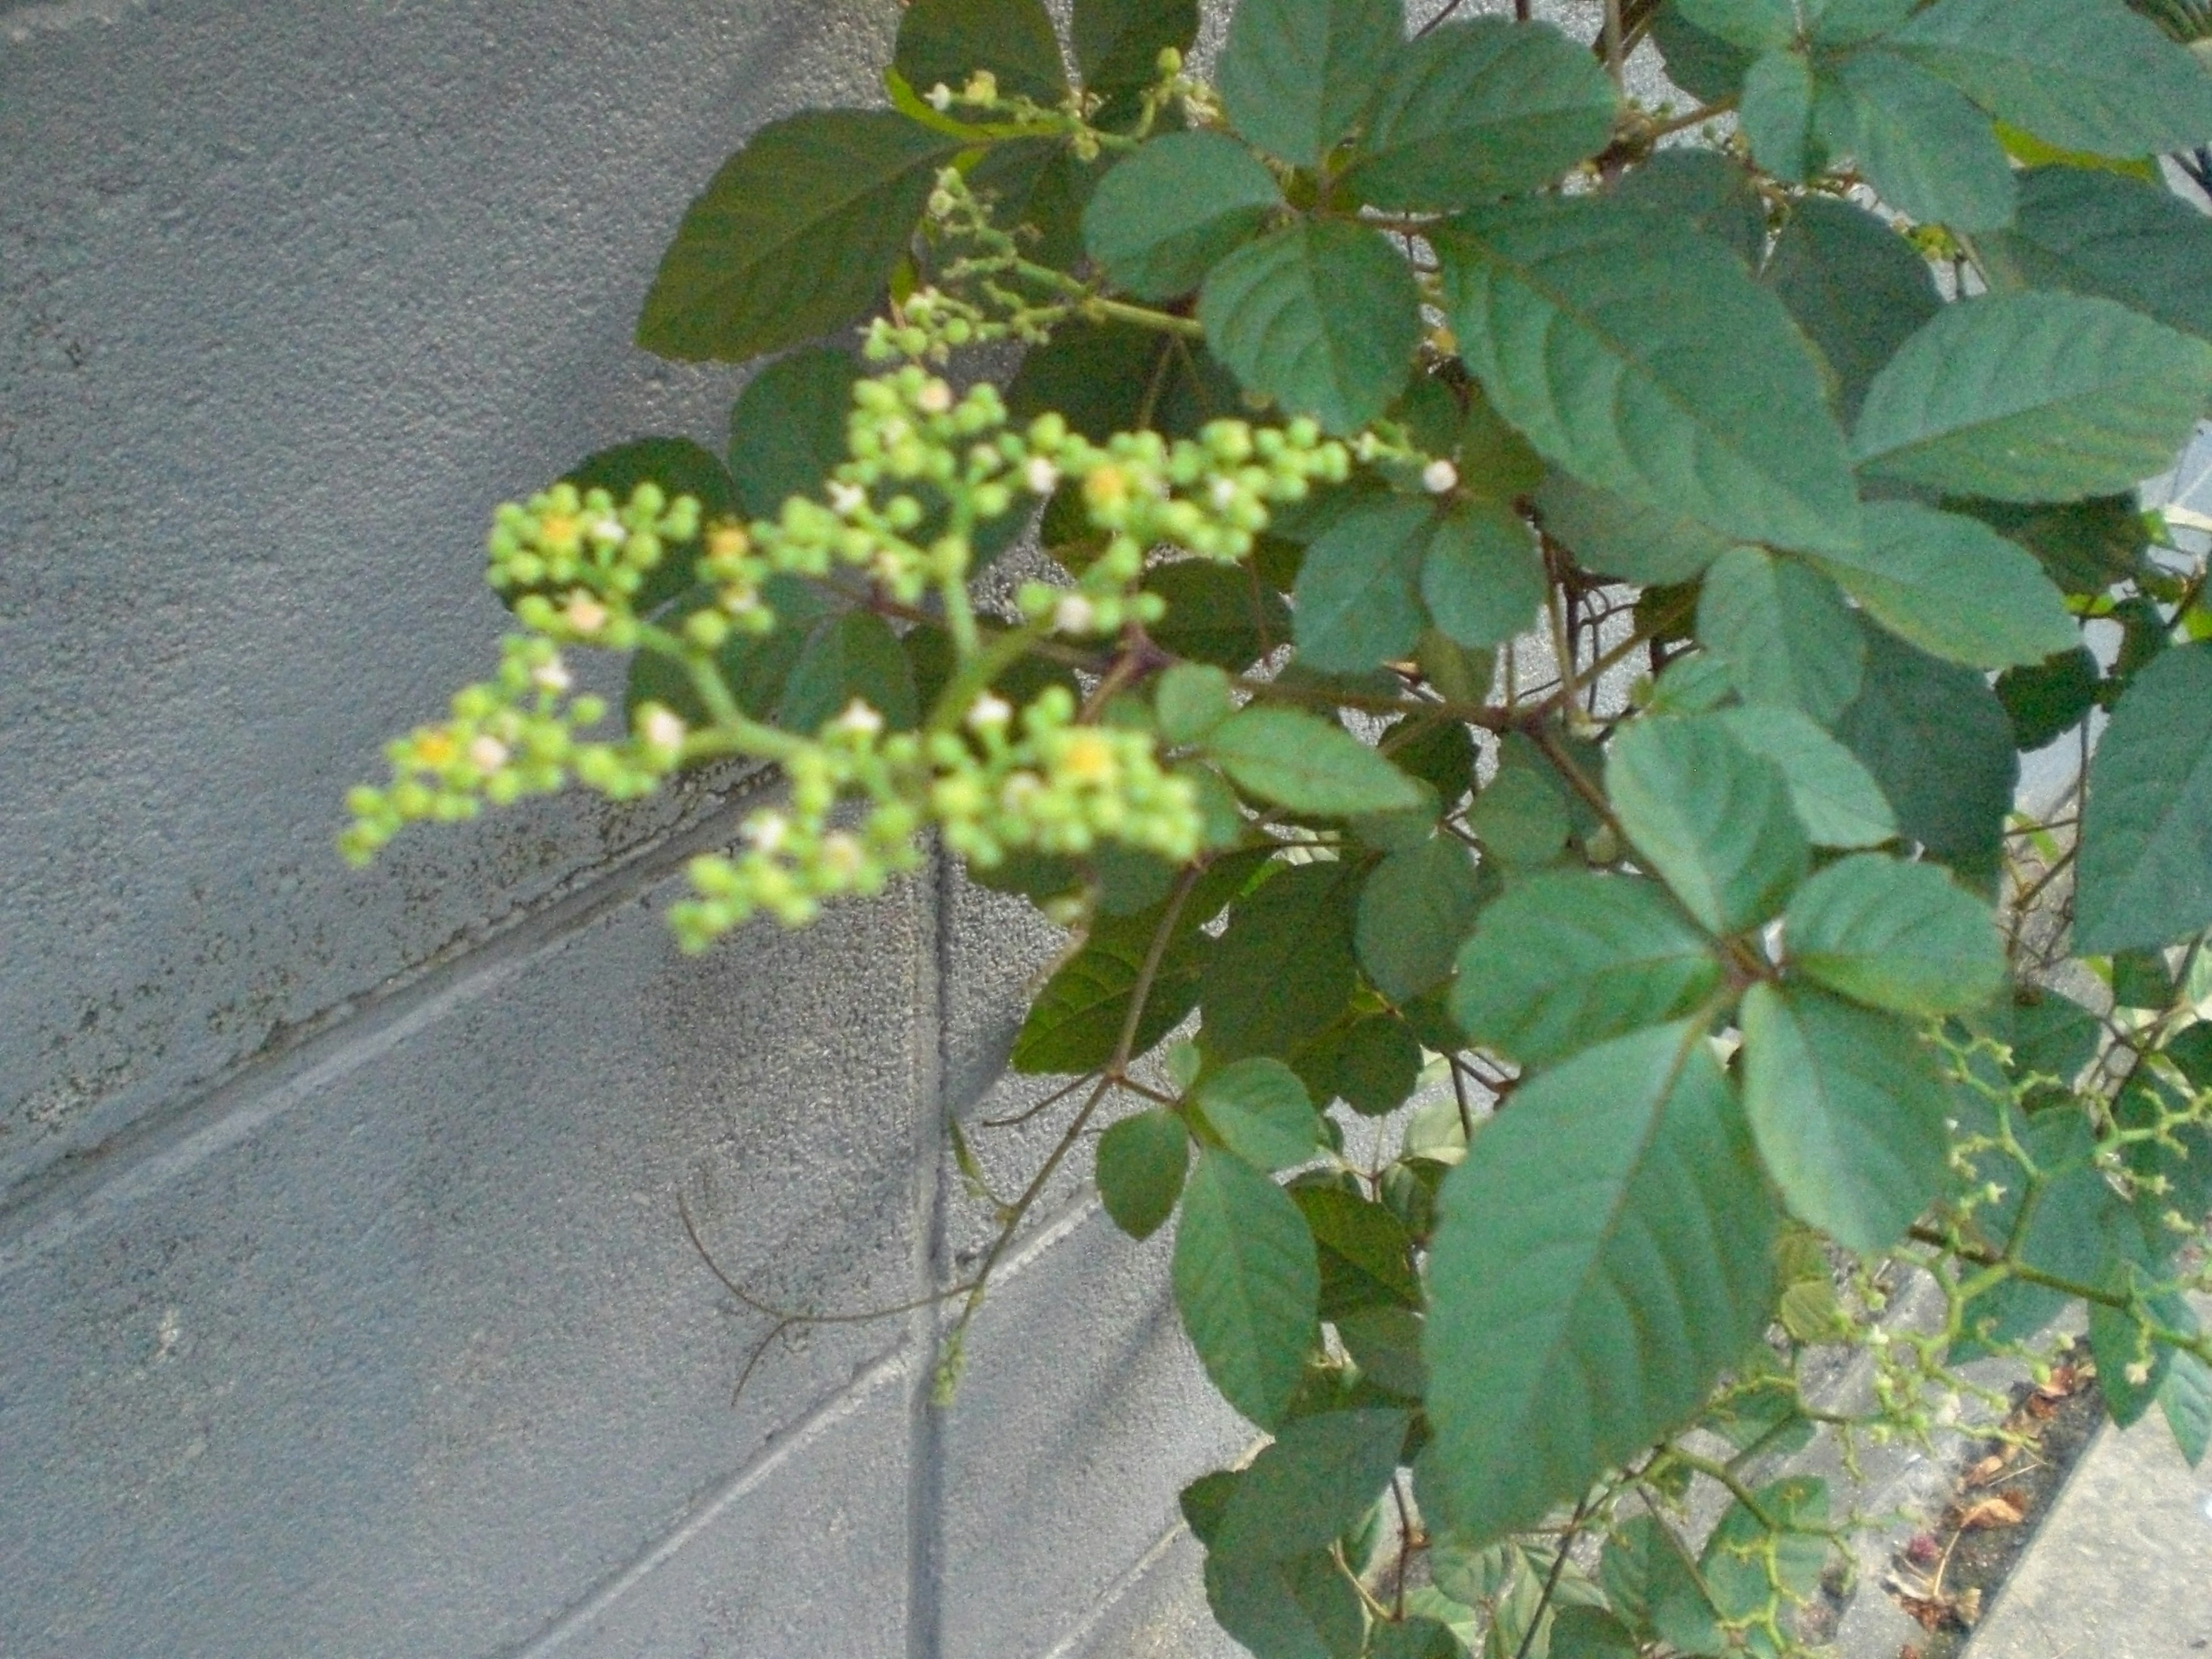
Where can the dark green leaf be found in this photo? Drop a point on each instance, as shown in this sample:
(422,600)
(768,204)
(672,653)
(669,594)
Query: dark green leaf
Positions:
(754,666)
(1847,1111)
(1713,192)
(2047,700)
(1709,817)
(1441,755)
(1303,1609)
(1372,1065)
(849,657)
(1581,1631)
(1895,935)
(1217,613)
(1955,587)
(1246,1283)
(1748,1569)
(1385,1343)
(1355,604)
(1321,317)
(1603,1252)
(1636,353)
(1415,910)
(2083,546)
(1834,796)
(1170,213)
(1520,819)
(2131,1371)
(1259,1110)
(1296,74)
(2070,1235)
(1474,111)
(1936,738)
(1043,183)
(794,237)
(1118,42)
(2083,74)
(787,428)
(1482,576)
(1076,1021)
(1416,1636)
(1105,378)
(1564,961)
(1309,764)
(1141,1161)
(680,467)
(1285,968)
(1857,288)
(1783,632)
(1314,1484)
(1190,700)
(1651,1581)
(1752,25)
(2185,1397)
(2097,233)
(2033,397)
(1927,151)
(943,42)
(1702,65)
(1613,536)
(2146,871)
(1366,1258)
(1854,22)
(1777,113)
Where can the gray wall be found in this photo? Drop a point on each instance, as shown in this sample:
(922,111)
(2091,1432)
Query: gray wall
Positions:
(343,1304)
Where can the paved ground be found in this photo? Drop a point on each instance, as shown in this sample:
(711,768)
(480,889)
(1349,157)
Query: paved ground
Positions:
(2122,1567)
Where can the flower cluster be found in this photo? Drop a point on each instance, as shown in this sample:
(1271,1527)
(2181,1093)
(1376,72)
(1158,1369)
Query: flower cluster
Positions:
(1054,787)
(572,559)
(511,736)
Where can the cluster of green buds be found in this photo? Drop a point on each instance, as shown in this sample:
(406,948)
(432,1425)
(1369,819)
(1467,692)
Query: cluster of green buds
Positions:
(511,736)
(1051,786)
(570,560)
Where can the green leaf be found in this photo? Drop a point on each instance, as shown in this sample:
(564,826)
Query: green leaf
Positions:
(851,656)
(1372,1065)
(1749,1568)
(1259,1110)
(1854,22)
(1564,961)
(1713,190)
(943,42)
(795,236)
(1474,111)
(1777,113)
(2085,75)
(1834,796)
(680,467)
(1118,42)
(2146,869)
(1483,576)
(1162,219)
(754,666)
(1366,1258)
(1321,316)
(1581,1631)
(1418,1637)
(1650,1579)
(2115,1339)
(1141,1161)
(1105,378)
(1309,764)
(1190,700)
(787,428)
(1315,1482)
(1246,1283)
(1303,1609)
(1847,1110)
(1936,738)
(1296,74)
(1783,632)
(1076,1021)
(1603,1253)
(1284,966)
(1753,25)
(2185,1397)
(1520,819)
(2033,396)
(1441,754)
(1637,354)
(1709,818)
(1702,65)
(2047,700)
(1857,288)
(2099,233)
(1385,1343)
(1355,604)
(1927,151)
(1613,536)
(1217,613)
(2083,546)
(1955,588)
(1415,910)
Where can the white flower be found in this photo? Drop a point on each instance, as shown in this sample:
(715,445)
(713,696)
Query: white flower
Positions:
(935,397)
(1042,476)
(841,855)
(1225,493)
(1073,615)
(662,728)
(845,499)
(488,753)
(768,831)
(608,530)
(552,676)
(859,719)
(990,711)
(585,614)
(939,97)
(1439,477)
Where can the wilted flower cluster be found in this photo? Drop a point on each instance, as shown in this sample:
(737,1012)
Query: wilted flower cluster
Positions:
(1056,787)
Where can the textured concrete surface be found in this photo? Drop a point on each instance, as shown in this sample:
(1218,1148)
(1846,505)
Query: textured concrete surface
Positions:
(2123,1567)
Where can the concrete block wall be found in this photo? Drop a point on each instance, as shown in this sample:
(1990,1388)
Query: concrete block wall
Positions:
(345,1308)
